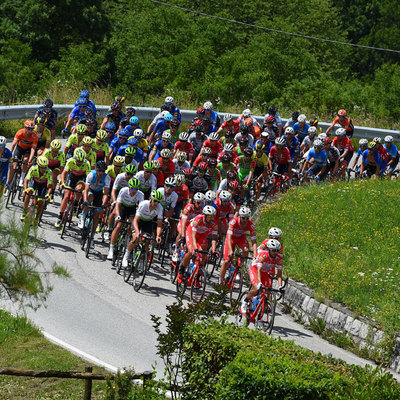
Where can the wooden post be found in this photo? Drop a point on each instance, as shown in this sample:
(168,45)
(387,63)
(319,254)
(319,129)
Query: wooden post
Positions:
(146,375)
(88,386)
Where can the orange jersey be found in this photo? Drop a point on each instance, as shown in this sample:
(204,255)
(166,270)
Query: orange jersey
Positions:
(26,142)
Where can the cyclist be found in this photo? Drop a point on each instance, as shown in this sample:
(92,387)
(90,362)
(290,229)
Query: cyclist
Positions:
(44,135)
(96,190)
(75,140)
(230,177)
(236,236)
(270,127)
(182,191)
(273,233)
(229,138)
(292,143)
(300,128)
(212,176)
(49,113)
(146,212)
(244,132)
(314,122)
(148,182)
(25,144)
(225,165)
(245,165)
(229,150)
(261,168)
(38,178)
(333,157)
(180,162)
(344,121)
(182,145)
(197,139)
(133,125)
(142,142)
(129,113)
(170,197)
(86,145)
(167,166)
(266,262)
(204,156)
(172,108)
(393,153)
(291,121)
(119,141)
(308,140)
(130,153)
(242,146)
(56,160)
(132,144)
(382,152)
(345,147)
(211,114)
(163,143)
(200,228)
(371,161)
(85,95)
(161,126)
(100,146)
(158,173)
(125,209)
(229,124)
(363,143)
(5,160)
(77,113)
(73,177)
(225,211)
(213,143)
(316,161)
(272,111)
(113,115)
(199,183)
(115,168)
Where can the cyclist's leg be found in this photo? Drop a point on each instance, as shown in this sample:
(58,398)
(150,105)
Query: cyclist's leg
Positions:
(225,262)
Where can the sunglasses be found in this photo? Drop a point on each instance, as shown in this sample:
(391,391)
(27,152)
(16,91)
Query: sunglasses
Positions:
(82,106)
(170,186)
(245,218)
(109,131)
(154,201)
(134,189)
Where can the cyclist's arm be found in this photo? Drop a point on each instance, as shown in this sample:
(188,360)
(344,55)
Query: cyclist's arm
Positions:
(159,228)
(228,240)
(114,195)
(135,234)
(169,213)
(254,243)
(32,155)
(250,177)
(103,124)
(105,196)
(86,192)
(117,209)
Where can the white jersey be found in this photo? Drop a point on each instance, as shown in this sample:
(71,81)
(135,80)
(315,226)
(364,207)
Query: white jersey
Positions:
(278,119)
(223,185)
(134,162)
(249,137)
(149,184)
(97,185)
(125,198)
(170,201)
(145,214)
(120,181)
(179,168)
(157,118)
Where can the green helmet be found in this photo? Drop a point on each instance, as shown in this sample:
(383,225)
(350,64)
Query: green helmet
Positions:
(130,151)
(134,183)
(131,169)
(148,166)
(101,135)
(372,145)
(157,195)
(81,128)
(80,155)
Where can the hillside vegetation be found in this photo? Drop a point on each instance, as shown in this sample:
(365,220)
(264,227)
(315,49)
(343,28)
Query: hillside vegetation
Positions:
(143,49)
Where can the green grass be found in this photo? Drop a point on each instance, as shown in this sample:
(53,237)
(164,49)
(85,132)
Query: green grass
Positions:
(23,346)
(342,240)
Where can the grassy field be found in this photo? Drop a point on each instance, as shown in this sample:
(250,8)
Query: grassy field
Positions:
(22,346)
(342,240)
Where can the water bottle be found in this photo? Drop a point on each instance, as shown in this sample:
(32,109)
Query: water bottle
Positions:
(191,267)
(181,255)
(231,270)
(254,303)
(87,220)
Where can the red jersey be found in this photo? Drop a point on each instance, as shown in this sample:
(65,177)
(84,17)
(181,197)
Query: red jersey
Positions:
(263,246)
(343,144)
(282,158)
(202,228)
(182,192)
(26,142)
(383,153)
(237,230)
(233,125)
(200,159)
(160,178)
(185,147)
(225,210)
(233,155)
(267,263)
(190,211)
(215,147)
(168,168)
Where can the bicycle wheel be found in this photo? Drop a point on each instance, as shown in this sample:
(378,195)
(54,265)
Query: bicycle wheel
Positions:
(266,313)
(215,265)
(235,285)
(173,273)
(67,216)
(198,286)
(181,287)
(241,319)
(12,191)
(89,237)
(164,249)
(120,251)
(139,270)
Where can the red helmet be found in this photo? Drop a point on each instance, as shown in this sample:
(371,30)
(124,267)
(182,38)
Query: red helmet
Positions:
(200,111)
(29,124)
(203,166)
(233,185)
(342,113)
(327,140)
(187,171)
(270,119)
(198,122)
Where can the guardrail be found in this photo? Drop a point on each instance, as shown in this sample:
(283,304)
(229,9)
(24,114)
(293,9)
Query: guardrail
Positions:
(148,113)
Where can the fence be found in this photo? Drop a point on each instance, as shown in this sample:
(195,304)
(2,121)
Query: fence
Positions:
(148,113)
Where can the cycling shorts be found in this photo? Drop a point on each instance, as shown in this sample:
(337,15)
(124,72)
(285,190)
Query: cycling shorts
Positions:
(19,153)
(370,169)
(315,169)
(73,180)
(126,212)
(55,167)
(348,157)
(146,227)
(40,187)
(200,239)
(97,198)
(281,168)
(177,209)
(265,279)
(258,170)
(241,242)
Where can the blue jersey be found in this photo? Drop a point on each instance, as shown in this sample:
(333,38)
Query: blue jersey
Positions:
(139,156)
(5,160)
(115,145)
(302,133)
(393,151)
(320,159)
(91,106)
(294,146)
(111,139)
(359,152)
(160,127)
(77,113)
(377,158)
(95,186)
(158,147)
(175,112)
(130,130)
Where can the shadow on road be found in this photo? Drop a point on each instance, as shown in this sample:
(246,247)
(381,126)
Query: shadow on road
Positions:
(285,332)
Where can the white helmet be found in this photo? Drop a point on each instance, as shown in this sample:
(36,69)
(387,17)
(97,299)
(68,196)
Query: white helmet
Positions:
(312,130)
(280,141)
(209,210)
(208,105)
(322,136)
(340,132)
(302,118)
(273,244)
(164,113)
(275,233)
(165,153)
(198,196)
(229,147)
(213,136)
(181,156)
(166,136)
(288,130)
(210,195)
(246,113)
(319,144)
(170,181)
(228,117)
(179,179)
(138,133)
(169,100)
(244,211)
(225,195)
(364,142)
(389,139)
(377,139)
(183,136)
(3,141)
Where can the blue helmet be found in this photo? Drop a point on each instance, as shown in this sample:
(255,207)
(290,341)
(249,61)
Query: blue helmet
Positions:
(134,121)
(168,117)
(123,133)
(110,126)
(85,94)
(82,102)
(133,141)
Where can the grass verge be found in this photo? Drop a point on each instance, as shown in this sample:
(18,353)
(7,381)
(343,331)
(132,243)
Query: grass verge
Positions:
(23,346)
(342,241)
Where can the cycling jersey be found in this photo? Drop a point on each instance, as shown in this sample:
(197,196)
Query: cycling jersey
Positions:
(120,181)
(55,161)
(383,153)
(198,184)
(278,119)
(126,199)
(267,146)
(96,185)
(25,142)
(320,159)
(110,171)
(5,160)
(43,137)
(73,141)
(158,146)
(301,132)
(182,192)
(249,137)
(282,158)
(213,179)
(174,136)
(197,141)
(190,212)
(225,210)
(369,161)
(223,172)
(293,146)
(101,149)
(263,246)
(167,168)
(139,155)
(203,228)
(215,146)
(38,177)
(116,144)
(91,106)
(392,150)
(268,266)
(244,167)
(186,147)
(343,144)
(233,125)
(175,112)
(146,214)
(76,113)
(308,142)
(332,155)
(146,185)
(115,118)
(237,230)
(77,170)
(345,123)
(180,168)
(170,201)
(261,161)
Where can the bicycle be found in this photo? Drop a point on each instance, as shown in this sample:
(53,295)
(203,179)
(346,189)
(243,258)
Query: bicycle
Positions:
(121,245)
(163,247)
(195,277)
(87,230)
(176,262)
(68,213)
(13,188)
(262,307)
(234,280)
(31,214)
(214,260)
(141,262)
